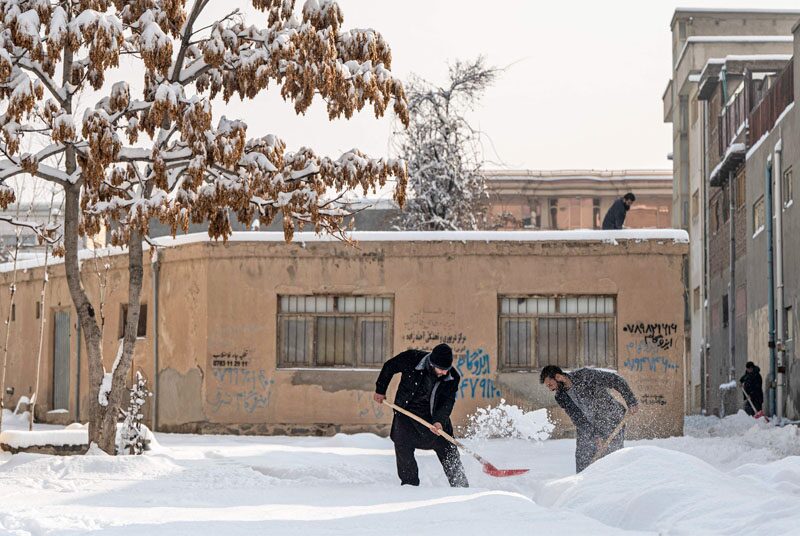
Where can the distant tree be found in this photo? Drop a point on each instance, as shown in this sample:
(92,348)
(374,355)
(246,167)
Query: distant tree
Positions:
(129,160)
(443,152)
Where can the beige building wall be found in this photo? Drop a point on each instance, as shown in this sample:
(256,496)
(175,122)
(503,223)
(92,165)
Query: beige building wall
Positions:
(217,330)
(577,199)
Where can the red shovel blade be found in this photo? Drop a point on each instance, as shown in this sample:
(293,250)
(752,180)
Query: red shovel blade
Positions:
(491,470)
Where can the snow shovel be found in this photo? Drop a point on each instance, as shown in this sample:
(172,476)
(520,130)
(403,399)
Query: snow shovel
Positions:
(756,413)
(488,468)
(607,441)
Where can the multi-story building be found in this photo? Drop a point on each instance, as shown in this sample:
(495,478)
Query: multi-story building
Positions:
(576,199)
(772,161)
(704,39)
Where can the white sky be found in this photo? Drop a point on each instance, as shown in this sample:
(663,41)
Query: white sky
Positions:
(583,89)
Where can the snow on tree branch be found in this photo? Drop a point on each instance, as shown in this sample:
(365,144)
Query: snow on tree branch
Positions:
(443,152)
(164,156)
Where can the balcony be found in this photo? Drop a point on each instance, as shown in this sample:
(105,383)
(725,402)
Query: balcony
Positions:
(732,135)
(766,113)
(758,102)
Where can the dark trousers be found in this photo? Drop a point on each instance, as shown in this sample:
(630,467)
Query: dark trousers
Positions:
(749,409)
(448,456)
(586,447)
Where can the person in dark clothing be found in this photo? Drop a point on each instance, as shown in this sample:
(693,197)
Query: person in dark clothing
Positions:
(751,383)
(615,217)
(584,395)
(427,388)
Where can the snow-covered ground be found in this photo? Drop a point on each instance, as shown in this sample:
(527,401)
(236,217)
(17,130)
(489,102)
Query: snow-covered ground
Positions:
(731,476)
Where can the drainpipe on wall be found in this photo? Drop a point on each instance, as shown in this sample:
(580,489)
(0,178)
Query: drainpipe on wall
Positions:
(732,268)
(156,265)
(779,306)
(770,283)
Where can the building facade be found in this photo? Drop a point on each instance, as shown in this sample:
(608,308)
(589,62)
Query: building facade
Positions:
(576,199)
(258,336)
(704,40)
(771,167)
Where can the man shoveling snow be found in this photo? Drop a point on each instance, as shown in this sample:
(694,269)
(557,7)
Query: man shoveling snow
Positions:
(427,389)
(584,395)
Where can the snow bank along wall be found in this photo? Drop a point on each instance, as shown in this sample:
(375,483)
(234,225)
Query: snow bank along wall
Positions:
(242,349)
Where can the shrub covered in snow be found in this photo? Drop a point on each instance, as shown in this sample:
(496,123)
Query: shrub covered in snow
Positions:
(132,435)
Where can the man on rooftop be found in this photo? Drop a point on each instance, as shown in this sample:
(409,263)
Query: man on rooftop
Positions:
(615,217)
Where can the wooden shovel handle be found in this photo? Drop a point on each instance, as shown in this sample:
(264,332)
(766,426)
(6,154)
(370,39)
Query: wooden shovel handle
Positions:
(422,421)
(607,441)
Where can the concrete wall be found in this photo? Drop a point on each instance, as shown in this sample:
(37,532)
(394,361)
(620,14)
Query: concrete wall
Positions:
(221,300)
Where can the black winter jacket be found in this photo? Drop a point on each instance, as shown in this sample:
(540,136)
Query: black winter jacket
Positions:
(615,217)
(604,412)
(752,382)
(413,365)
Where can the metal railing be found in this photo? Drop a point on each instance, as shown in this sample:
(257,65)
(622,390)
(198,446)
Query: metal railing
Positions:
(733,119)
(777,98)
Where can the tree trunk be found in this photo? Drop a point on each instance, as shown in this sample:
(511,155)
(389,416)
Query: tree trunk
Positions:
(86,315)
(102,418)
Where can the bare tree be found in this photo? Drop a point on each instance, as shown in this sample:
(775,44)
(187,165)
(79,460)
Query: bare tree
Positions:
(42,305)
(444,152)
(129,160)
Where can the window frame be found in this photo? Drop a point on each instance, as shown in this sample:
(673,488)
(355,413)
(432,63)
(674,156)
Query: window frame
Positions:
(758,227)
(787,188)
(581,320)
(123,319)
(357,360)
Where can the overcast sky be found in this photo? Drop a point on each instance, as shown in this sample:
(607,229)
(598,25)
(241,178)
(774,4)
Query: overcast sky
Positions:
(582,89)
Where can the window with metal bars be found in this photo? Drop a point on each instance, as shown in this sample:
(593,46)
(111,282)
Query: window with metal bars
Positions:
(568,331)
(334,331)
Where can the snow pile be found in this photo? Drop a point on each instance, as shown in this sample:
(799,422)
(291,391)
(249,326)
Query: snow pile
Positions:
(654,489)
(347,484)
(733,441)
(21,439)
(15,421)
(755,433)
(509,421)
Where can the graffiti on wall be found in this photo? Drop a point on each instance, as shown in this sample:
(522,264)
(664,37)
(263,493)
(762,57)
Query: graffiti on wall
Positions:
(235,386)
(229,359)
(474,365)
(430,338)
(661,335)
(653,400)
(475,369)
(648,351)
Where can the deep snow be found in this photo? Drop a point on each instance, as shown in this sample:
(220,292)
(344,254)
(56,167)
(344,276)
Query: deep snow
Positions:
(730,476)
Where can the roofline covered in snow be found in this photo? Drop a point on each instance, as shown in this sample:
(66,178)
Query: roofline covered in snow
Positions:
(589,236)
(681,12)
(581,174)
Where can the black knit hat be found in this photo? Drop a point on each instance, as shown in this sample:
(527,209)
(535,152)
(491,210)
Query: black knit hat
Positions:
(442,357)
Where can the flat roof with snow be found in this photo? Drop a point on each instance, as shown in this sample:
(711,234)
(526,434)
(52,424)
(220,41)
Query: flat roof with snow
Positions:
(588,235)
